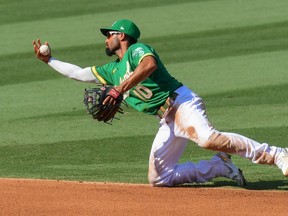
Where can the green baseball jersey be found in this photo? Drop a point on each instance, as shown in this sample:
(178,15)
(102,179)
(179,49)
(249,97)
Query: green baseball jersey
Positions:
(148,95)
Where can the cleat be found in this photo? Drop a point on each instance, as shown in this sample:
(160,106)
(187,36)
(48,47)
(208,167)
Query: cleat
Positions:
(233,172)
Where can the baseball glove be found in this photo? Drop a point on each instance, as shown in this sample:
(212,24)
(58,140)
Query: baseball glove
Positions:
(93,100)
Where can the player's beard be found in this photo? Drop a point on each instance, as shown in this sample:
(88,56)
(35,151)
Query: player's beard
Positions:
(109,52)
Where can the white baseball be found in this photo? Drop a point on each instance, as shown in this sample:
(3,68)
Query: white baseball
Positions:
(44,50)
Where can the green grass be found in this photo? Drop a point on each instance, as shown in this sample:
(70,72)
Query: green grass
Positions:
(233,53)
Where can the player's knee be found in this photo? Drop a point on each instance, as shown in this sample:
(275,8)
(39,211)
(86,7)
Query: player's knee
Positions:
(159,184)
(153,181)
(158,177)
(158,181)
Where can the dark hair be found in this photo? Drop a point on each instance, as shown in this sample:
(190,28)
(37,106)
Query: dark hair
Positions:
(130,40)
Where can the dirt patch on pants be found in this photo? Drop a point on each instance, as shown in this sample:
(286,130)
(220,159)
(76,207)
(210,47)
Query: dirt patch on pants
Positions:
(45,197)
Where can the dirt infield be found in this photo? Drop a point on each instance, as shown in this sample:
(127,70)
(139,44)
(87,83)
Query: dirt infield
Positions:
(41,197)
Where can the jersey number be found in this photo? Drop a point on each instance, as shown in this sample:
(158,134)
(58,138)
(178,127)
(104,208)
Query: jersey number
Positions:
(143,92)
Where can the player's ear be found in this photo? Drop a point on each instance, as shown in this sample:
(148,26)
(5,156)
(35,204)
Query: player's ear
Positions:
(123,36)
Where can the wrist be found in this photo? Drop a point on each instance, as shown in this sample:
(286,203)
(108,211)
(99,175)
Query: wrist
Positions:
(114,93)
(119,89)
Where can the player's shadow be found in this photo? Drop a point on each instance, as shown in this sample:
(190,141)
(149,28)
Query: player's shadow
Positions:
(259,185)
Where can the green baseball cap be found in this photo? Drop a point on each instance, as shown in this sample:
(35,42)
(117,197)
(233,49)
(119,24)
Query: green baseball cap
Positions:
(125,26)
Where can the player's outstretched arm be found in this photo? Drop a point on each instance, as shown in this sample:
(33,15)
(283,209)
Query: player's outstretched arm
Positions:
(69,70)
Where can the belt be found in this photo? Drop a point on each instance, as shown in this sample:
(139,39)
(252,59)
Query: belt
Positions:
(166,107)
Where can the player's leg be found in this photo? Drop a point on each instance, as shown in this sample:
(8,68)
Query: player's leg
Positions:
(191,122)
(249,148)
(165,153)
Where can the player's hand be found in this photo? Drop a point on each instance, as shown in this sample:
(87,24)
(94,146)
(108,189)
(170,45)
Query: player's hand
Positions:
(37,44)
(112,97)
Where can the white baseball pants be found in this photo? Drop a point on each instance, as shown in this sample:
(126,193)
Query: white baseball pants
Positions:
(186,121)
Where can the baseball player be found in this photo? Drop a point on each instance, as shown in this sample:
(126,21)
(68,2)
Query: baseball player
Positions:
(140,76)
